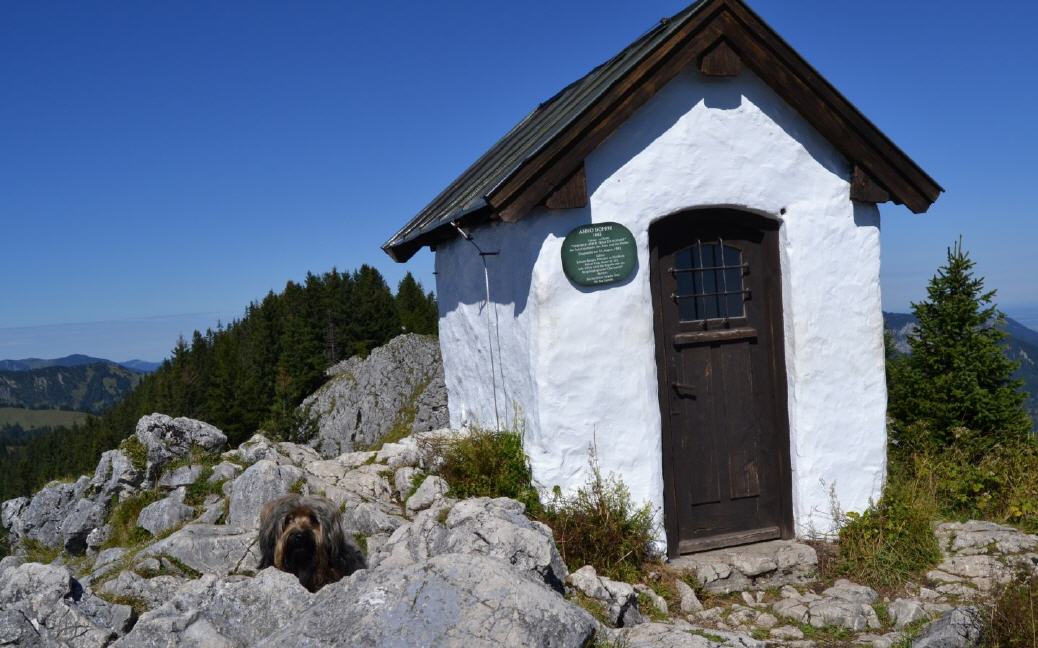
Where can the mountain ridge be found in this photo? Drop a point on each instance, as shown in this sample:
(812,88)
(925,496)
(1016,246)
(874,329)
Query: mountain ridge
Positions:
(75,360)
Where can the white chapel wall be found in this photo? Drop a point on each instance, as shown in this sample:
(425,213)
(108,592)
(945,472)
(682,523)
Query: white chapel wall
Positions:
(578,364)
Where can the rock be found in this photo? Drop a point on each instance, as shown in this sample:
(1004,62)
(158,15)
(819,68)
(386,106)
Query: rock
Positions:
(166,439)
(463,601)
(349,486)
(153,592)
(755,566)
(367,519)
(432,489)
(766,620)
(786,632)
(494,527)
(398,455)
(879,641)
(666,635)
(975,568)
(213,511)
(229,611)
(115,476)
(852,592)
(165,513)
(364,398)
(85,517)
(623,603)
(689,601)
(587,582)
(260,483)
(224,471)
(40,518)
(402,480)
(182,476)
(299,455)
(974,537)
(210,548)
(108,557)
(57,609)
(657,601)
(840,612)
(258,447)
(904,611)
(96,538)
(11,562)
(960,628)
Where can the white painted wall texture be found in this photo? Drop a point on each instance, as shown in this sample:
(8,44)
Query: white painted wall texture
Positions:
(577,366)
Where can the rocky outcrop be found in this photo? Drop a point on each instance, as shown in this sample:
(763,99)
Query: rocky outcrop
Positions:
(451,600)
(757,566)
(398,384)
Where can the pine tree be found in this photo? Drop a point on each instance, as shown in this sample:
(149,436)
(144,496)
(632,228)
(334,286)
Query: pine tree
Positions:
(957,374)
(417,310)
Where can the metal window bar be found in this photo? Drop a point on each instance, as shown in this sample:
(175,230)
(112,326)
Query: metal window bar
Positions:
(698,265)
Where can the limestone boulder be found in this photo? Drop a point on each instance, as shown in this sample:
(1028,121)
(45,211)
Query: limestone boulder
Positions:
(210,548)
(152,591)
(449,601)
(959,628)
(493,527)
(40,518)
(365,398)
(260,483)
(166,439)
(56,609)
(222,611)
(165,513)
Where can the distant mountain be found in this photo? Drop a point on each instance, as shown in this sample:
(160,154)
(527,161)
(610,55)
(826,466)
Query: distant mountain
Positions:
(28,364)
(1021,345)
(75,360)
(141,366)
(83,387)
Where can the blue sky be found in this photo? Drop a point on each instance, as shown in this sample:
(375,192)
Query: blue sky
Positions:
(162,164)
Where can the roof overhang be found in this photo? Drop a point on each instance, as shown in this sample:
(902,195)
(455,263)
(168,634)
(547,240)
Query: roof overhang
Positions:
(544,151)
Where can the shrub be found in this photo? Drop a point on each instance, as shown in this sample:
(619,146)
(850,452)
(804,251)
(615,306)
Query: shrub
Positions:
(599,525)
(487,463)
(135,451)
(893,540)
(1012,620)
(996,485)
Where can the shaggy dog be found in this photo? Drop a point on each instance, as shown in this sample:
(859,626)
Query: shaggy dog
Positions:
(303,536)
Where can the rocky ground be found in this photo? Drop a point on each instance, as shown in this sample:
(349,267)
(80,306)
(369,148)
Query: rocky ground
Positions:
(158,548)
(475,572)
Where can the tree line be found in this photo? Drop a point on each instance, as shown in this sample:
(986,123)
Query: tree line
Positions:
(248,375)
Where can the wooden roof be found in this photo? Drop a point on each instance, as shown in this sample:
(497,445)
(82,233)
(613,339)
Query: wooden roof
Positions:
(545,151)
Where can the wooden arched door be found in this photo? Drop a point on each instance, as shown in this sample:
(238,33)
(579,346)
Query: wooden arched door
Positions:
(717,298)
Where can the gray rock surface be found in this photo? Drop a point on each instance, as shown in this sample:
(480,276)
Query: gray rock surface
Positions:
(451,600)
(165,513)
(960,628)
(40,518)
(362,400)
(166,439)
(115,476)
(230,611)
(56,609)
(210,548)
(755,566)
(260,483)
(432,488)
(682,635)
(368,519)
(182,476)
(86,516)
(494,527)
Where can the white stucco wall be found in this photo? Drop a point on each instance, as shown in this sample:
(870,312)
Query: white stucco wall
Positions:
(578,365)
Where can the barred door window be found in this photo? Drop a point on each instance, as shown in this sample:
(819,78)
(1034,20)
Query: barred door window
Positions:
(709,277)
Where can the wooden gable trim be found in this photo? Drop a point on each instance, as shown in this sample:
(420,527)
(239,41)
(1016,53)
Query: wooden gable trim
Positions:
(732,24)
(571,194)
(721,61)
(865,189)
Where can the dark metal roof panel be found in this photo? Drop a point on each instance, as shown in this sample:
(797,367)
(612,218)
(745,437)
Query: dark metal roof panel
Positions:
(467,193)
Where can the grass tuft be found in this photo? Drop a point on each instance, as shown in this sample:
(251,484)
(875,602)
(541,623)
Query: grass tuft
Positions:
(486,463)
(123,520)
(135,452)
(36,551)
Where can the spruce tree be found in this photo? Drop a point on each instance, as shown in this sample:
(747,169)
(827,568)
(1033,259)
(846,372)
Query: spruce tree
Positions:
(957,374)
(417,309)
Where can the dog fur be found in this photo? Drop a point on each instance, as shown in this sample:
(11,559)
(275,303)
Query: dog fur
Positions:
(303,535)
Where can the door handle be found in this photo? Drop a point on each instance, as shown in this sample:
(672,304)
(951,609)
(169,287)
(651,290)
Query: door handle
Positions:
(683,389)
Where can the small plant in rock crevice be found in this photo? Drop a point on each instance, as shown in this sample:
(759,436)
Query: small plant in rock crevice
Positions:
(486,463)
(600,525)
(123,519)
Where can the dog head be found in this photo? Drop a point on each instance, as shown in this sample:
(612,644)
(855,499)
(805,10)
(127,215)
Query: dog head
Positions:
(303,536)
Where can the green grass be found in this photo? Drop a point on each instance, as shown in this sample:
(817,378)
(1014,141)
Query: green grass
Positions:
(647,607)
(202,488)
(139,605)
(487,463)
(135,451)
(123,520)
(36,551)
(30,419)
(594,607)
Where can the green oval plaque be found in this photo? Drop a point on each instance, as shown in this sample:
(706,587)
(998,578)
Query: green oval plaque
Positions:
(598,254)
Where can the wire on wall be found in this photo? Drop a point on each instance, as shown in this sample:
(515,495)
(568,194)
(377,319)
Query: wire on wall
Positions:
(493,330)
